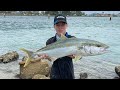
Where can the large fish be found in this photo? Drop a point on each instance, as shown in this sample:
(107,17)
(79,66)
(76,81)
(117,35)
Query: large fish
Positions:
(68,46)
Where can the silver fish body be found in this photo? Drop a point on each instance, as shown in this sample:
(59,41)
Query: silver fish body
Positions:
(68,46)
(84,47)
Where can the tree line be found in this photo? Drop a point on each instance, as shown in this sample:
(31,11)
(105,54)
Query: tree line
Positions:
(69,13)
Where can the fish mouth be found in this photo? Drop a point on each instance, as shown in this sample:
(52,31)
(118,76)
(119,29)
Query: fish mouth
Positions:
(104,50)
(106,47)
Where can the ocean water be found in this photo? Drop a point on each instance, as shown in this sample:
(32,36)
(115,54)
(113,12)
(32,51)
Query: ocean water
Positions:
(31,32)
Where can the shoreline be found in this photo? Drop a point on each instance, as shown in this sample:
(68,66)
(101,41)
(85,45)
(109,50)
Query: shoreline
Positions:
(103,70)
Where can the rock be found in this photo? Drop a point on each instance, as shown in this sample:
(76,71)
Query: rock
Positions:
(39,76)
(1,59)
(116,78)
(8,57)
(34,68)
(83,75)
(117,70)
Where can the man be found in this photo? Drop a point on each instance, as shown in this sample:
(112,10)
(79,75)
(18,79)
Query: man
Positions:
(62,68)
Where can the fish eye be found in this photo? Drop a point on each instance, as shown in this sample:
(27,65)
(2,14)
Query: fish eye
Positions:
(98,46)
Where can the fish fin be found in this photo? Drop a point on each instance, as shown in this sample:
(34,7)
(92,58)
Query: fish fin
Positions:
(29,56)
(27,61)
(63,37)
(77,57)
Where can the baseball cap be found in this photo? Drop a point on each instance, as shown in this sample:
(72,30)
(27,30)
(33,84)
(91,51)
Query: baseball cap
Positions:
(60,18)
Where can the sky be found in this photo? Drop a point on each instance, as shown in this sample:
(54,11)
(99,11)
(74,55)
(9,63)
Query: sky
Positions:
(106,12)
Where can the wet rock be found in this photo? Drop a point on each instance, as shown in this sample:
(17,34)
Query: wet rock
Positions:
(83,75)
(117,70)
(116,78)
(33,68)
(39,76)
(8,57)
(1,59)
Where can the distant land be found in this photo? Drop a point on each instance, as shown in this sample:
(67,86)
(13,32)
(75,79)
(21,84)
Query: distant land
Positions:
(67,13)
(105,12)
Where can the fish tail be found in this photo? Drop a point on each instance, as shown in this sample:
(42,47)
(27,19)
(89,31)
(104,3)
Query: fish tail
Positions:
(29,56)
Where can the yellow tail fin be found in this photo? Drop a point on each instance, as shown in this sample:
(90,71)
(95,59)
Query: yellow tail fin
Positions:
(29,56)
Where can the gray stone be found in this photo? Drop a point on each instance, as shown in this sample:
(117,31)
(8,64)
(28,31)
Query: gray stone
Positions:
(117,70)
(83,75)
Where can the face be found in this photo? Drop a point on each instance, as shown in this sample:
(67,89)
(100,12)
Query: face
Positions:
(60,28)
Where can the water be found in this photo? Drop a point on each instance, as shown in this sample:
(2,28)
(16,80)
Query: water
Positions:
(31,32)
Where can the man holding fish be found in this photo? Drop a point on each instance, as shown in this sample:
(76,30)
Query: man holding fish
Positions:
(64,48)
(62,68)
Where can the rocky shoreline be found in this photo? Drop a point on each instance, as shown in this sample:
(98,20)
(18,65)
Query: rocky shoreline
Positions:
(38,69)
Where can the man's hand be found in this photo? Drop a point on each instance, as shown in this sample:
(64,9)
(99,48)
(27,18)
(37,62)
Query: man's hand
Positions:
(72,56)
(44,56)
